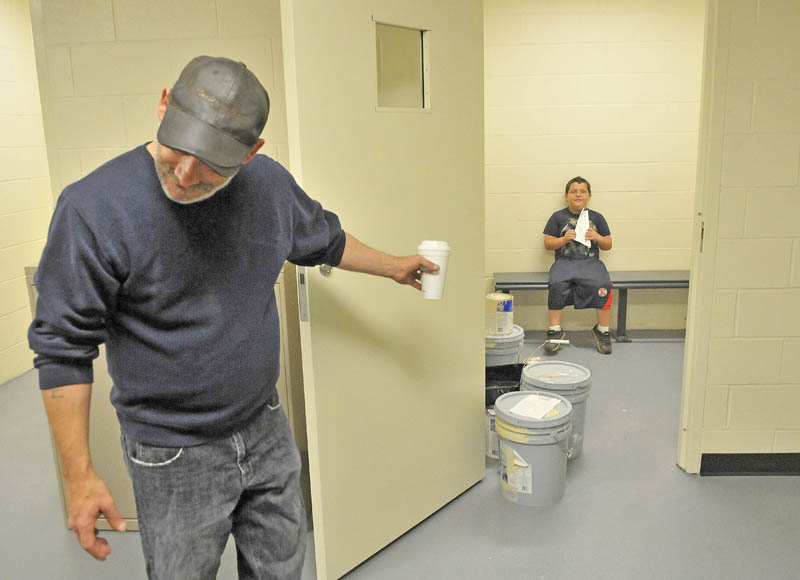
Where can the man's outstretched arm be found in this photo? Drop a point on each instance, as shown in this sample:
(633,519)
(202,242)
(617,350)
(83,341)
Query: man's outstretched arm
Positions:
(359,257)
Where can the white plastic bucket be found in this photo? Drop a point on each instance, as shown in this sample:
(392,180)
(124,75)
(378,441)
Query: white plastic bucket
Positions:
(504,350)
(571,381)
(533,451)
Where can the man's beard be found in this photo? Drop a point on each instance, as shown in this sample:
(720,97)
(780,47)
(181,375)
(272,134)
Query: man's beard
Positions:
(167,174)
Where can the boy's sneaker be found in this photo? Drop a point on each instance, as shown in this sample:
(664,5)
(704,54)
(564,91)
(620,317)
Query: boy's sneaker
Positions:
(555,335)
(603,340)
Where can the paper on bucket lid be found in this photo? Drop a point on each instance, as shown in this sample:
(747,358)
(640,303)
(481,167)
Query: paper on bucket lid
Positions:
(535,406)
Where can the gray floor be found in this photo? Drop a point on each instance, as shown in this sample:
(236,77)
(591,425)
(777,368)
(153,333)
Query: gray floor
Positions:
(628,511)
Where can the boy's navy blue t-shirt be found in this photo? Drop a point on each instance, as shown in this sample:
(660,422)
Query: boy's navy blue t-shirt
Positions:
(564,220)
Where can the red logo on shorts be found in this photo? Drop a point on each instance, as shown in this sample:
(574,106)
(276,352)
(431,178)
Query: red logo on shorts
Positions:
(603,292)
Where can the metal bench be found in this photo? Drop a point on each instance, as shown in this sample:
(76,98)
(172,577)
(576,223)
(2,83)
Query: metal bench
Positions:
(622,281)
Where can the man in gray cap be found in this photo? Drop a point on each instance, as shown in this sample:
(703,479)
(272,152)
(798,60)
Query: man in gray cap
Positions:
(168,254)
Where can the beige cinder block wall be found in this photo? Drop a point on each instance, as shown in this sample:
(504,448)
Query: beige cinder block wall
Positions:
(103,63)
(608,90)
(25,202)
(742,379)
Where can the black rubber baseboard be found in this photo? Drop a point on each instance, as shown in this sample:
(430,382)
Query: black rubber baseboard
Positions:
(750,464)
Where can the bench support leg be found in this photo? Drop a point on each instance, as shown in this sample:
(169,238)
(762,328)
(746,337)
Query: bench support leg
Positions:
(622,315)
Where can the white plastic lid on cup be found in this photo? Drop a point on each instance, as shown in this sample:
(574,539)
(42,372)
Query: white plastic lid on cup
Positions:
(433,246)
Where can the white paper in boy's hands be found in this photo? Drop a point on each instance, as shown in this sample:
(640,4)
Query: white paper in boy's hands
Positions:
(582,227)
(535,406)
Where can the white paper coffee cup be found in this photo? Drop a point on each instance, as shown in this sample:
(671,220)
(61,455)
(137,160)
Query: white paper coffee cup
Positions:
(433,282)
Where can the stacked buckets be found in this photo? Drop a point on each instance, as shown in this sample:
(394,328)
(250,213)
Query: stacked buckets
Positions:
(540,428)
(535,430)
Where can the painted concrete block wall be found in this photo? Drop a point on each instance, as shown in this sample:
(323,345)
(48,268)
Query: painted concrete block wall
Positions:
(25,201)
(103,63)
(606,89)
(753,395)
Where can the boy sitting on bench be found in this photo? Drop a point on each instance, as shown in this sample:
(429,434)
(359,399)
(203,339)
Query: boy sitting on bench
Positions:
(578,277)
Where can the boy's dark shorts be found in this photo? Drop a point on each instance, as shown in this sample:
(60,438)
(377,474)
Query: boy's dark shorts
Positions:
(582,282)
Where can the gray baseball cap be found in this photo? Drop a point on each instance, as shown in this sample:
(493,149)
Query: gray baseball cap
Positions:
(215,112)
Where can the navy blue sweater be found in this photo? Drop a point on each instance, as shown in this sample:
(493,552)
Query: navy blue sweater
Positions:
(182,295)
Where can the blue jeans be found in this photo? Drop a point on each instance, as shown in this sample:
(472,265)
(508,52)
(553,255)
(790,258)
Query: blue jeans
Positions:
(190,499)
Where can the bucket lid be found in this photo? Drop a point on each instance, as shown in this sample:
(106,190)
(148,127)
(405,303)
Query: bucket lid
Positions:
(517,334)
(561,413)
(556,375)
(500,297)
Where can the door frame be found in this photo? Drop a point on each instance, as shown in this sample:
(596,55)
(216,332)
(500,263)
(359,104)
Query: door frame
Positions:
(704,242)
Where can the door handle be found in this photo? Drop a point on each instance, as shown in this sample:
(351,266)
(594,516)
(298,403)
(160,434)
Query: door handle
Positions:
(325,269)
(302,293)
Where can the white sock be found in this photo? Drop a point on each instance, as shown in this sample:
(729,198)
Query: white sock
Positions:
(557,327)
(602,328)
